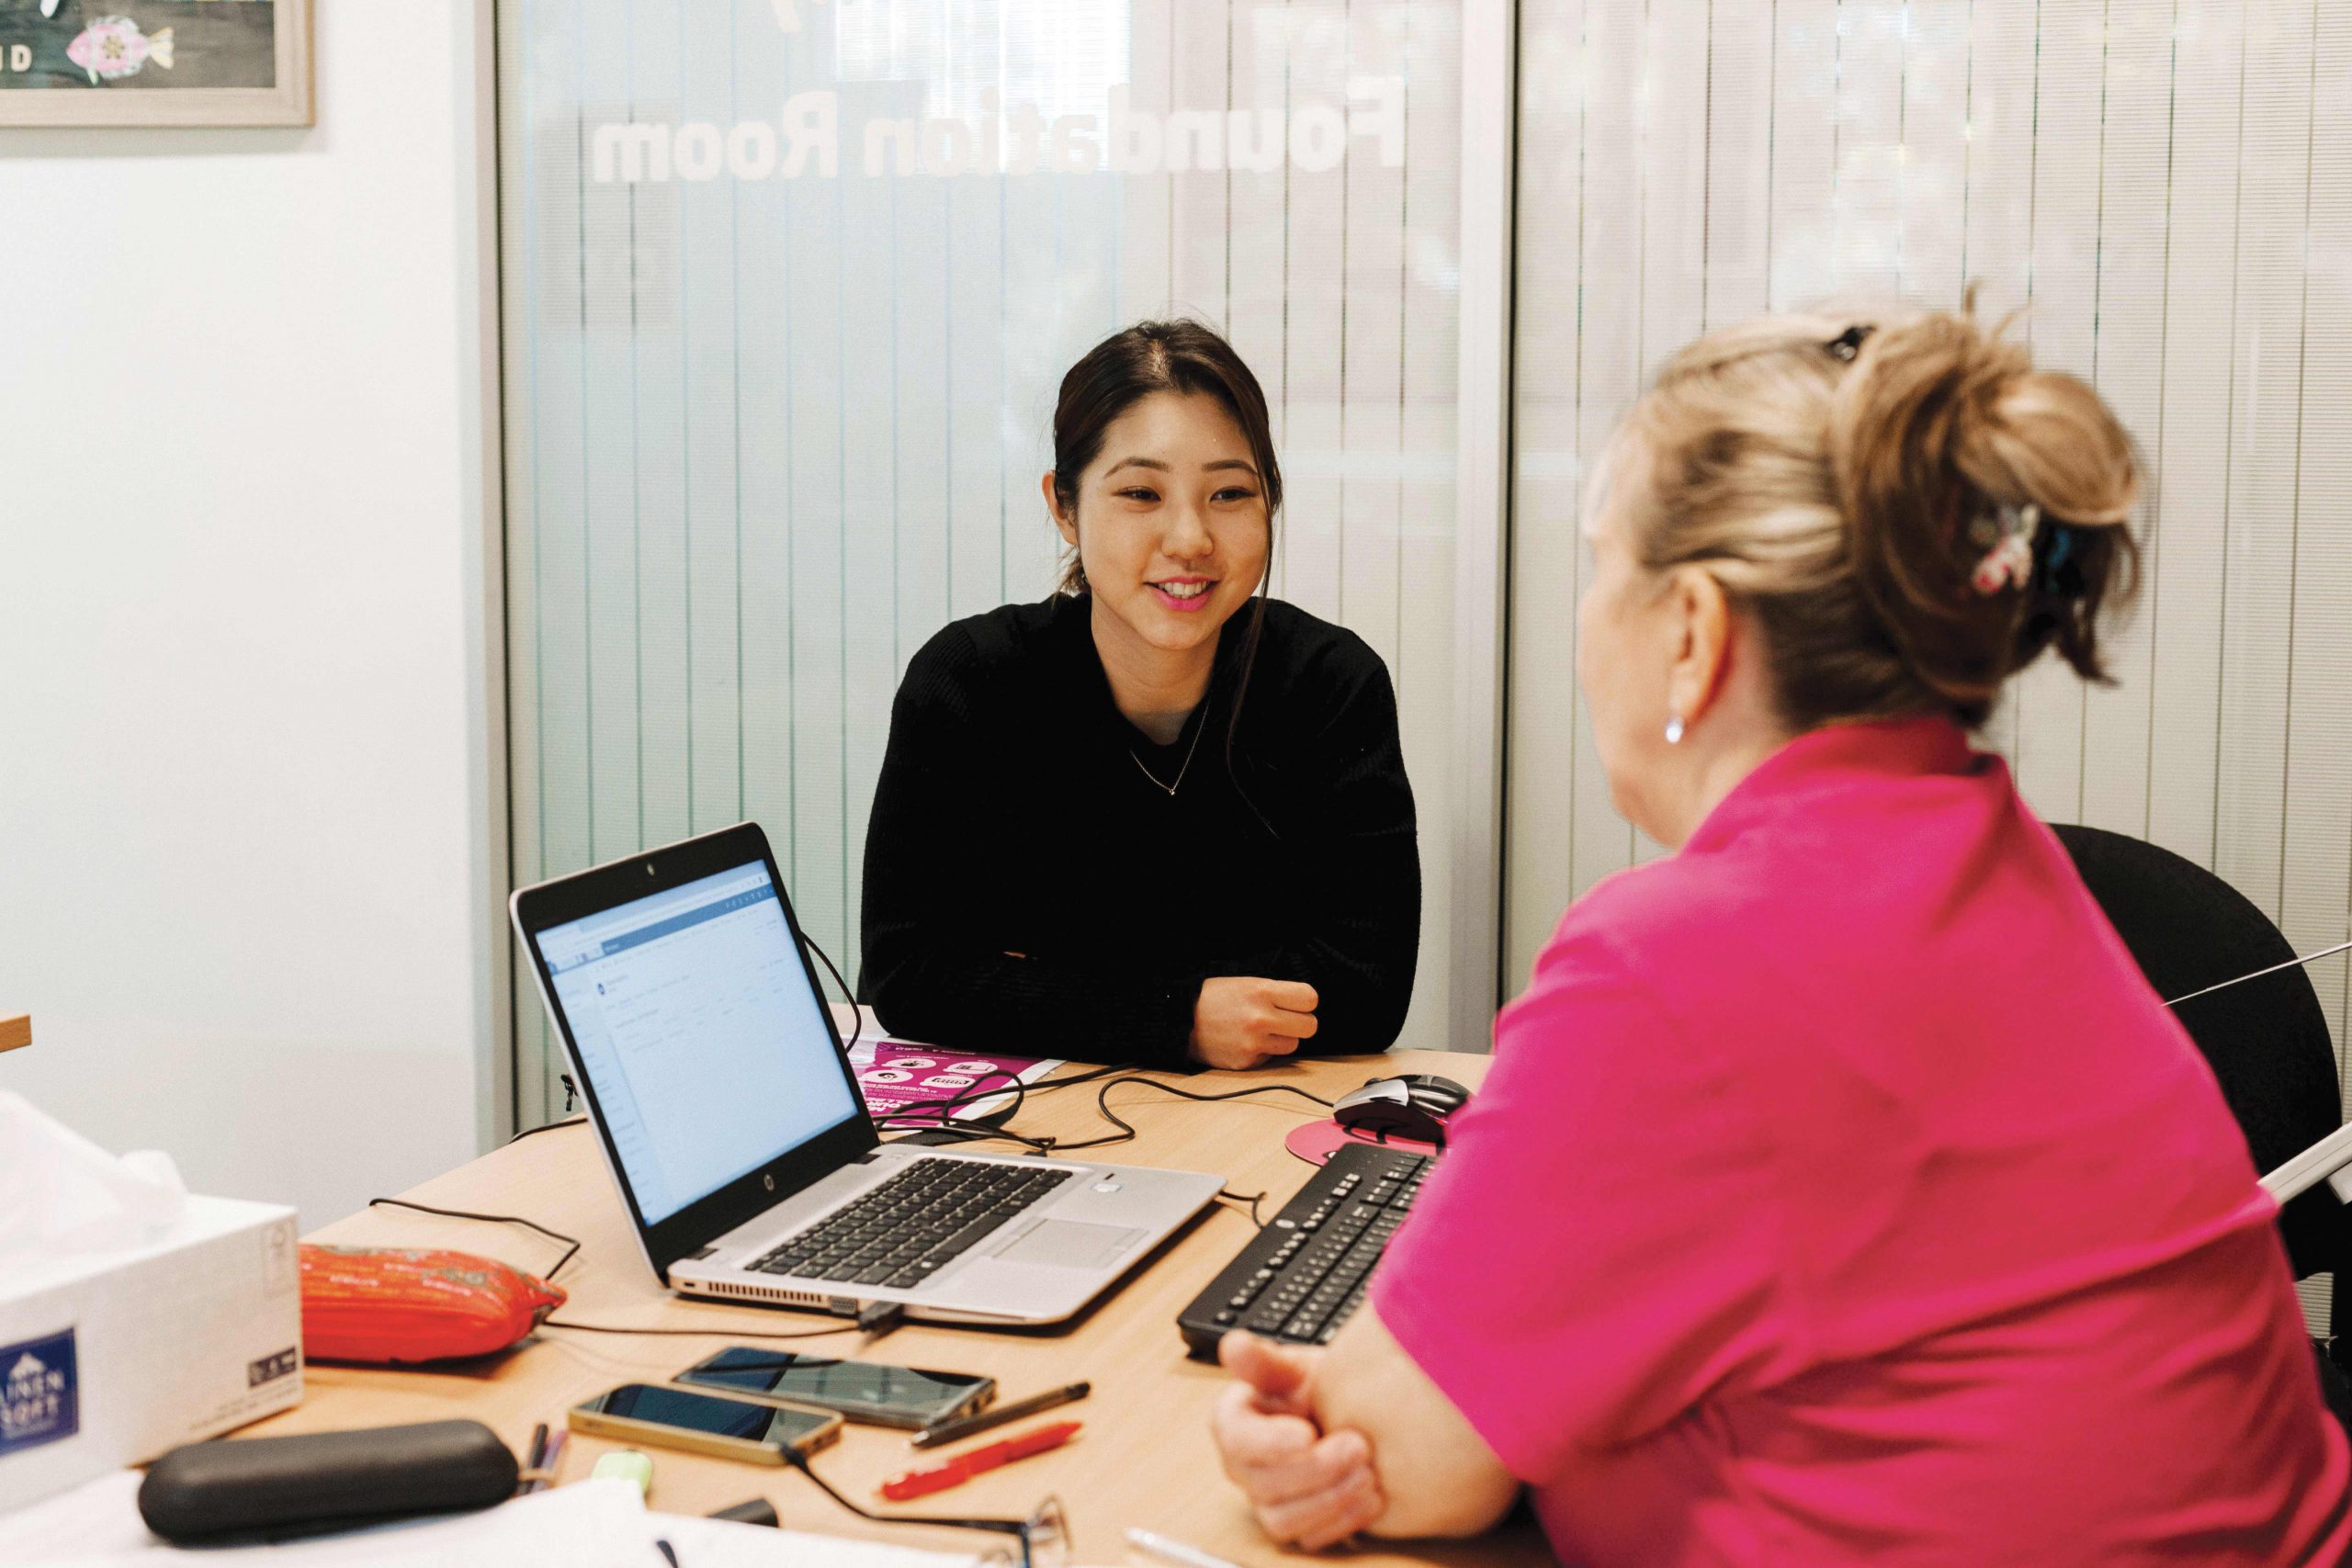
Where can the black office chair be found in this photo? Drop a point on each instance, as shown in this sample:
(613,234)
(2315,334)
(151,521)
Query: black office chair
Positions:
(2267,1040)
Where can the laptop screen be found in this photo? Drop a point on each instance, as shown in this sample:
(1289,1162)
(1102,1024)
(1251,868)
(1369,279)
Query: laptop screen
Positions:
(709,1052)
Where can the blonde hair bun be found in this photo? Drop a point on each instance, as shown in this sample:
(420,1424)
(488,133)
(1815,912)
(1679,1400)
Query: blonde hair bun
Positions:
(1912,511)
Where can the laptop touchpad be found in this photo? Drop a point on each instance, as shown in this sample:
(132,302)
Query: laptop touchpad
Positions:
(1070,1245)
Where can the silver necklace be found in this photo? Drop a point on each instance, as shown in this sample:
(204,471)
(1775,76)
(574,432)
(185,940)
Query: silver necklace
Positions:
(1171,788)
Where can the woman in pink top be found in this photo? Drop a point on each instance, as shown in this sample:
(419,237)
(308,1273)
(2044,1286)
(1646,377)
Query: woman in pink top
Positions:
(1840,1193)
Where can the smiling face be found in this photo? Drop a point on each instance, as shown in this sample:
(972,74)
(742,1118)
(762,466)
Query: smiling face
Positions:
(1169,522)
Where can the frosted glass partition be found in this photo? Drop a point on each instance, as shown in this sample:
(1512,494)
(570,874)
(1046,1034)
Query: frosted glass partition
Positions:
(2167,188)
(788,287)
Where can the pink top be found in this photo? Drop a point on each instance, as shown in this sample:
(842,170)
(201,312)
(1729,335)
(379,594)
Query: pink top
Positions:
(1842,1194)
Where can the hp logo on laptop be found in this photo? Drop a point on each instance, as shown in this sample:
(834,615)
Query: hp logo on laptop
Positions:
(769,1181)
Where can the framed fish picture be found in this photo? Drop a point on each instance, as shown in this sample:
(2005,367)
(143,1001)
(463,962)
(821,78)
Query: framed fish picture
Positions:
(154,63)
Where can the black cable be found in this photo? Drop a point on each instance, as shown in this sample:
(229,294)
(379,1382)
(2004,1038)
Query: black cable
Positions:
(1126,1131)
(799,1461)
(1228,1094)
(964,1134)
(876,1320)
(1050,1145)
(948,1105)
(705,1333)
(1118,1077)
(1252,1199)
(856,1013)
(573,1243)
(549,1127)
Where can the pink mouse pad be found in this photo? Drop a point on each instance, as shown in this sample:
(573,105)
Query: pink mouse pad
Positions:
(1316,1142)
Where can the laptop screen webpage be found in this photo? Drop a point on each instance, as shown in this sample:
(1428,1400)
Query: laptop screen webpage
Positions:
(696,1026)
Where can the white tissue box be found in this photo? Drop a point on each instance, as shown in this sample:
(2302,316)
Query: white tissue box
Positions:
(109,1357)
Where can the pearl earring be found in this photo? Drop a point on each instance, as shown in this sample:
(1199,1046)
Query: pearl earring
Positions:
(1674,729)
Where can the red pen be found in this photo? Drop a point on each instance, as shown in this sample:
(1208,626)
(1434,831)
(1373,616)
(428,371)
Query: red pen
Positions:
(963,1467)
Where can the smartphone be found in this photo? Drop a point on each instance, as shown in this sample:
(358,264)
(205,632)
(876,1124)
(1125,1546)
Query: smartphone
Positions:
(863,1391)
(704,1424)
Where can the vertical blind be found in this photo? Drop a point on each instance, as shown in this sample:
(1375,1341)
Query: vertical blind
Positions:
(2165,190)
(769,429)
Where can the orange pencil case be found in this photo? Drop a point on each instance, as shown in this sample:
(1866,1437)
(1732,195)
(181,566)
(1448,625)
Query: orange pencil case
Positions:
(403,1304)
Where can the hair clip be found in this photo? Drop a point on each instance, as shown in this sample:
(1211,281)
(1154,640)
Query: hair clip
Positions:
(2060,575)
(2007,535)
(1848,343)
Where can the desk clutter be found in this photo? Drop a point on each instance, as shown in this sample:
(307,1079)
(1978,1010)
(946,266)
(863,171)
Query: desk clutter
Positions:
(451,1491)
(270,1490)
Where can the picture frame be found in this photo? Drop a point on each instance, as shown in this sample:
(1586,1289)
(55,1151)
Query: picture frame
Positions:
(155,63)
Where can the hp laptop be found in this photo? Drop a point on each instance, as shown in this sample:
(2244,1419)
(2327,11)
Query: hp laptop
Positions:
(733,1124)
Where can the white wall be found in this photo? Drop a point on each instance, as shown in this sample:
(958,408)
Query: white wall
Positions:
(245,701)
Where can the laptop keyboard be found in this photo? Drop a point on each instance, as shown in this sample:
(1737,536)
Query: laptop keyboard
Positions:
(913,1225)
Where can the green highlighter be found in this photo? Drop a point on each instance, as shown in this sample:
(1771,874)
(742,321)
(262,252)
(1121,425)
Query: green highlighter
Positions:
(629,1465)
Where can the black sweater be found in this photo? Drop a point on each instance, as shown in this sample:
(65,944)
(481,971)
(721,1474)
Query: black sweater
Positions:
(1011,818)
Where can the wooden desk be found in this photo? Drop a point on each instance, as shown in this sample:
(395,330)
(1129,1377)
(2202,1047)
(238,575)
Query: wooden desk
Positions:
(1144,1459)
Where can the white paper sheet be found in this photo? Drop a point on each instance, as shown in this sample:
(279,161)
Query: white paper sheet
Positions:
(592,1524)
(588,1524)
(721,1543)
(96,1517)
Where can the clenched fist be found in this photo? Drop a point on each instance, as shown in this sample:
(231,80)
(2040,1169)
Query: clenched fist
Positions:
(1242,1019)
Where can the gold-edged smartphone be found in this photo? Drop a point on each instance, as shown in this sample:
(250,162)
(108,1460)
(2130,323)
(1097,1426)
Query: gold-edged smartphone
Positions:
(704,1423)
(862,1390)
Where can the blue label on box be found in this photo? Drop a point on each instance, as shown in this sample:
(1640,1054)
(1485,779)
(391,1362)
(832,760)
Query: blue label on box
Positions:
(41,1398)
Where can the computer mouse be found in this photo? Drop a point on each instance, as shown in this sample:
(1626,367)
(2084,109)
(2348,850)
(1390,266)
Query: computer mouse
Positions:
(1414,1105)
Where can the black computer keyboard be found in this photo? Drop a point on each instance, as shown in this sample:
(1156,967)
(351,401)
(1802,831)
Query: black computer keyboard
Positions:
(913,1225)
(1301,1277)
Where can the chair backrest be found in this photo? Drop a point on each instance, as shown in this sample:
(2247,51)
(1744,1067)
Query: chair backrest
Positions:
(2267,1040)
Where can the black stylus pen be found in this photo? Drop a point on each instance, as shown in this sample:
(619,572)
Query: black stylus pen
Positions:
(965,1426)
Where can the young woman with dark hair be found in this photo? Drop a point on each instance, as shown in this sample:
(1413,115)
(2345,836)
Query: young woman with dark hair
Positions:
(1158,818)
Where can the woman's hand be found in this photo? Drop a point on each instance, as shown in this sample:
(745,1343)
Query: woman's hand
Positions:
(1307,1487)
(1241,1020)
(1299,1431)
